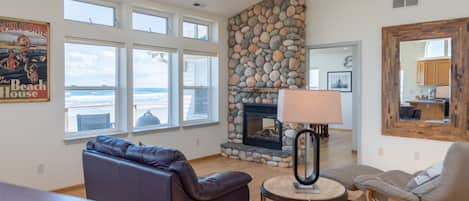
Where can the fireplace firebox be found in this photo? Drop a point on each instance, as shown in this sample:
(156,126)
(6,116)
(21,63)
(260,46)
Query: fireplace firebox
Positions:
(261,127)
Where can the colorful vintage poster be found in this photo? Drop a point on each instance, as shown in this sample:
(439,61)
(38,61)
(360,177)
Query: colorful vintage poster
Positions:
(24,60)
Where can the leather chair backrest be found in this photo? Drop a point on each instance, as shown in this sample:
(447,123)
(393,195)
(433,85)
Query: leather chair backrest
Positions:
(454,180)
(108,178)
(117,170)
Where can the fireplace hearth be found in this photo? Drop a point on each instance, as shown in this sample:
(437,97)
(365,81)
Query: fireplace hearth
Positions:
(261,127)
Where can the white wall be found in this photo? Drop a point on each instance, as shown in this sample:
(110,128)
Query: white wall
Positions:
(332,21)
(411,52)
(33,133)
(329,62)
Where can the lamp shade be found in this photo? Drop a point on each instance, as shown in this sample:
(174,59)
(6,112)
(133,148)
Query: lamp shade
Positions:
(308,106)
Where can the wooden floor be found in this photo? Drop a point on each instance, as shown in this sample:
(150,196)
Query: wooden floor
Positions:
(335,152)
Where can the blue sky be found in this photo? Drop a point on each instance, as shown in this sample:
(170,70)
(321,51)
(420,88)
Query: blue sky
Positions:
(87,65)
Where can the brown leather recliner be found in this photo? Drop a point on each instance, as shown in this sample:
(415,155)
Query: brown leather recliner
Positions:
(117,170)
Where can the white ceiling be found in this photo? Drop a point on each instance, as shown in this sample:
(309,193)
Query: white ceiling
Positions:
(225,8)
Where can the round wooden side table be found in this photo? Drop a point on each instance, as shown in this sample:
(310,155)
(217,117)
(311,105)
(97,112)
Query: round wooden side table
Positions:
(281,188)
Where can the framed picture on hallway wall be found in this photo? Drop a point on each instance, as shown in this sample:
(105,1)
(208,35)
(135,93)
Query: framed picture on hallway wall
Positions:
(24,60)
(339,81)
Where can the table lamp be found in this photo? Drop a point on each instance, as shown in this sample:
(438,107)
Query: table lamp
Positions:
(308,107)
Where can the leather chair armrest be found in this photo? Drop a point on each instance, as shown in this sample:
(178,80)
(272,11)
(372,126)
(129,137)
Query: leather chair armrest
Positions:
(208,188)
(377,185)
(219,184)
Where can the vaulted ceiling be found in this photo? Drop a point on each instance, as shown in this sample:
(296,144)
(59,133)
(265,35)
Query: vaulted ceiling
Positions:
(225,8)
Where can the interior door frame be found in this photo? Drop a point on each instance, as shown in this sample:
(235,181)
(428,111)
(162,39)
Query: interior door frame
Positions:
(356,87)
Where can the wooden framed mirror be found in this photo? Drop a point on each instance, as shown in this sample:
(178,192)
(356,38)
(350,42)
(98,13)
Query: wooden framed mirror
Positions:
(425,80)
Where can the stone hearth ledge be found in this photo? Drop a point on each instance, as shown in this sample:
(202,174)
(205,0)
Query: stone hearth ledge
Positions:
(270,157)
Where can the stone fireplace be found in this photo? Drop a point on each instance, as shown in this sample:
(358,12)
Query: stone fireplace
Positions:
(267,53)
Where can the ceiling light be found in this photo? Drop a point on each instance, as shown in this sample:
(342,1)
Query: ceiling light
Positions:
(199,5)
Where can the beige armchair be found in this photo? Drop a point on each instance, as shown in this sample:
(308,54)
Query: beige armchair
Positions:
(451,185)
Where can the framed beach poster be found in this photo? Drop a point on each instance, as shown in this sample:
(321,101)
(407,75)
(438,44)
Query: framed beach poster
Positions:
(24,60)
(339,81)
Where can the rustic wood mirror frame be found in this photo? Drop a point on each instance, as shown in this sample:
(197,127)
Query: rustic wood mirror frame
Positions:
(457,129)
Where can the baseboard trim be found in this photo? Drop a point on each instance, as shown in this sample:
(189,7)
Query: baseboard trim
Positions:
(340,129)
(69,188)
(205,158)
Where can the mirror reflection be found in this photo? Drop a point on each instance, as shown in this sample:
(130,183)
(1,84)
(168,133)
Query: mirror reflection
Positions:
(425,80)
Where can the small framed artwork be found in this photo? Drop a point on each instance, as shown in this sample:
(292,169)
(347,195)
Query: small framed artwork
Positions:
(24,60)
(339,81)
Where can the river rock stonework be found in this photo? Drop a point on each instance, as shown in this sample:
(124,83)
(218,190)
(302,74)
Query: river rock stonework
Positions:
(266,53)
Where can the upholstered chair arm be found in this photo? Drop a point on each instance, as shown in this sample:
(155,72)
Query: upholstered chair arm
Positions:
(378,187)
(211,187)
(221,183)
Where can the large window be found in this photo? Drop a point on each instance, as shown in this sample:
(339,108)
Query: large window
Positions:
(197,82)
(76,10)
(314,79)
(119,83)
(438,48)
(149,23)
(151,88)
(195,30)
(90,87)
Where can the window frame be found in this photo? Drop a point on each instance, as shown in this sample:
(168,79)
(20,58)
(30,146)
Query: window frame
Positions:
(447,48)
(152,13)
(106,4)
(210,88)
(319,79)
(118,113)
(123,24)
(197,23)
(171,108)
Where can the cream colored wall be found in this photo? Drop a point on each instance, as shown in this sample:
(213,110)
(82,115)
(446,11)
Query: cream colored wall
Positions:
(332,21)
(411,52)
(32,134)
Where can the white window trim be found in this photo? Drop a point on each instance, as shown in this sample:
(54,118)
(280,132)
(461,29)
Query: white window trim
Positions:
(154,13)
(319,79)
(210,119)
(446,48)
(118,113)
(197,22)
(175,43)
(171,110)
(107,4)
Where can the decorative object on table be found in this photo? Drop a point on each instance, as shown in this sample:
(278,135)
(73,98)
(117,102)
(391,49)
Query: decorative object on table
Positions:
(279,189)
(24,60)
(308,107)
(147,119)
(348,62)
(339,81)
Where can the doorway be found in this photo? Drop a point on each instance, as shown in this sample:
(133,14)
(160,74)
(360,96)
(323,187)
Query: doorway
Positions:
(338,67)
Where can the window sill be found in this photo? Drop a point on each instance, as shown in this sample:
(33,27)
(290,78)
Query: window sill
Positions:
(151,130)
(200,124)
(197,39)
(77,137)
